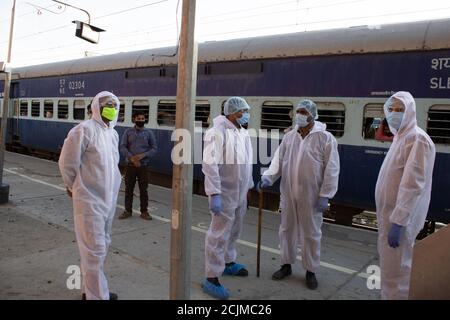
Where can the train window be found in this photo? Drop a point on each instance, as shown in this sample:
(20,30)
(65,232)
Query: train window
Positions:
(373,115)
(438,123)
(276,115)
(23,108)
(142,106)
(79,109)
(48,108)
(63,109)
(166,112)
(333,115)
(121,117)
(35,108)
(202,110)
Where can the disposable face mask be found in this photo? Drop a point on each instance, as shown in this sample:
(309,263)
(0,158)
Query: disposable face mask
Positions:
(109,113)
(244,119)
(394,119)
(301,120)
(140,124)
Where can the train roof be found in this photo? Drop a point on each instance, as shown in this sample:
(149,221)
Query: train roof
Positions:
(424,35)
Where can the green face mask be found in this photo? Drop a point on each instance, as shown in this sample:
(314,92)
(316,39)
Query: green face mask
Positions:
(109,113)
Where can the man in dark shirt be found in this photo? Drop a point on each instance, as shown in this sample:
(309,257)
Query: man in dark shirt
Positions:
(138,145)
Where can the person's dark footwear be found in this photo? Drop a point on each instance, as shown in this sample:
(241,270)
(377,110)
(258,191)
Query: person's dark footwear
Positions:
(112,296)
(311,281)
(235,269)
(125,215)
(284,271)
(146,216)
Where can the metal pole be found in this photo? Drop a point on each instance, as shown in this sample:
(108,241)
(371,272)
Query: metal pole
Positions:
(258,246)
(180,238)
(4,188)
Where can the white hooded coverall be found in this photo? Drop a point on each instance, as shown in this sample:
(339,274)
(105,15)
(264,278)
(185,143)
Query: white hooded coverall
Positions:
(309,169)
(227,165)
(89,167)
(402,196)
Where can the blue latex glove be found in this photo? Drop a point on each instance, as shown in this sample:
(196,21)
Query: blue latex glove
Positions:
(394,235)
(215,204)
(263,183)
(322,204)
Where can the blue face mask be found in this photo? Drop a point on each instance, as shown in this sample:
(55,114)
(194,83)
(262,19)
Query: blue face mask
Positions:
(394,119)
(244,119)
(301,120)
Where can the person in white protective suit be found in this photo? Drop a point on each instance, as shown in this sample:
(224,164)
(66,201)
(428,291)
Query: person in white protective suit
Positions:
(308,164)
(89,167)
(227,165)
(402,194)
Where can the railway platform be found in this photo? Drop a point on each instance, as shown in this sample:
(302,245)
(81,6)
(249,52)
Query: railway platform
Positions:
(38,247)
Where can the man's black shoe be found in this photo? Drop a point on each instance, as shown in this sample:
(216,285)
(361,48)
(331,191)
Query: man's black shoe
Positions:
(285,271)
(311,281)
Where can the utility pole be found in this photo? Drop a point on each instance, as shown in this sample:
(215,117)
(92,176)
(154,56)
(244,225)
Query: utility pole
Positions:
(4,188)
(180,237)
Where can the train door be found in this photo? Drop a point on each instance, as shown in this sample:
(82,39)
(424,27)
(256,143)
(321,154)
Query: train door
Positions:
(13,138)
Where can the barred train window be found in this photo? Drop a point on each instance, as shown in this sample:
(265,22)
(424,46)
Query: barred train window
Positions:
(79,109)
(48,109)
(121,117)
(373,115)
(202,111)
(35,108)
(438,123)
(276,115)
(333,115)
(24,108)
(166,112)
(141,106)
(63,109)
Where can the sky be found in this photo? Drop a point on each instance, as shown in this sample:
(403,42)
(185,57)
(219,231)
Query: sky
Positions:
(44,32)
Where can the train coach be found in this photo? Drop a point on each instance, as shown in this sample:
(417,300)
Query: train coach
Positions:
(349,73)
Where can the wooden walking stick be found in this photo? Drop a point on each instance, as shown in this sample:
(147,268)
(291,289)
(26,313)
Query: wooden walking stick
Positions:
(258,252)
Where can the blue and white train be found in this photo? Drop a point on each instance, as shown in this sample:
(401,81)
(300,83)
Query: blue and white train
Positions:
(349,73)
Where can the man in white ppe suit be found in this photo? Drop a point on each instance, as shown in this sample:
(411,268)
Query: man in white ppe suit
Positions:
(227,165)
(89,167)
(402,194)
(308,164)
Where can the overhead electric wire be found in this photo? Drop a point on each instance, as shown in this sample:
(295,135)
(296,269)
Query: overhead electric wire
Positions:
(168,26)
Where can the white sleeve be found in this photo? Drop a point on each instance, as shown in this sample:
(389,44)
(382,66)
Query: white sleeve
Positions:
(274,171)
(72,151)
(331,173)
(212,158)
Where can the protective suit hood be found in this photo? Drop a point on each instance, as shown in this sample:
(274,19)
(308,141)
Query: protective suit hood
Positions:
(409,121)
(96,102)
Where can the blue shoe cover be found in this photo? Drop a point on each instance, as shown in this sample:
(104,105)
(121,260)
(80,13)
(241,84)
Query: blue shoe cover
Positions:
(218,292)
(236,269)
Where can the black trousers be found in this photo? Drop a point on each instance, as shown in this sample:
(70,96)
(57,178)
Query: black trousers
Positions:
(131,174)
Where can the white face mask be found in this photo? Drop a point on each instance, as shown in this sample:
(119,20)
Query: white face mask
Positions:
(394,119)
(301,120)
